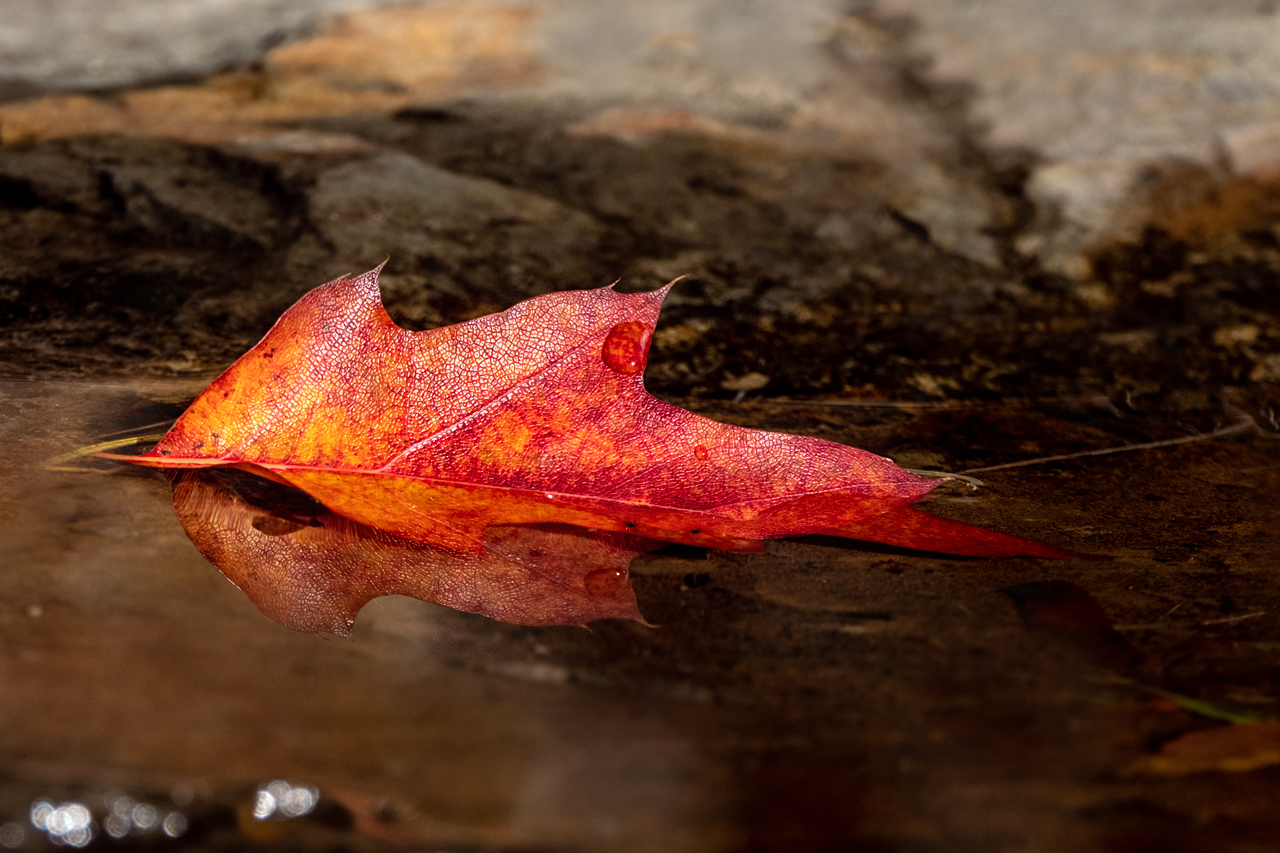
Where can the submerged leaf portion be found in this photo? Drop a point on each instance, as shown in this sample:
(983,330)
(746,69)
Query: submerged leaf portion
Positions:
(312,570)
(1063,611)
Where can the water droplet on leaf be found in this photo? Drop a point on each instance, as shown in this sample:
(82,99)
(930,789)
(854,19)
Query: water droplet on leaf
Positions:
(700,452)
(626,349)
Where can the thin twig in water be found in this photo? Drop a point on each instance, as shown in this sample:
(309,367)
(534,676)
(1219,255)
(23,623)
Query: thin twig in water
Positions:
(876,404)
(1173,626)
(946,475)
(1095,399)
(168,422)
(1234,429)
(58,463)
(1239,618)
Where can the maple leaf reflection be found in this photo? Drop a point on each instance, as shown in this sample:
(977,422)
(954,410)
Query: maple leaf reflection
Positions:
(312,570)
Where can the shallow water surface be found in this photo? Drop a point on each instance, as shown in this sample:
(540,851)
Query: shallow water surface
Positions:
(818,694)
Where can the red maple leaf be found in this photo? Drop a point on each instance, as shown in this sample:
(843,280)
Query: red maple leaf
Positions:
(537,415)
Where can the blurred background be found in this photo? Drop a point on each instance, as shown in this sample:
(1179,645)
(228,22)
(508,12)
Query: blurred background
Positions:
(961,233)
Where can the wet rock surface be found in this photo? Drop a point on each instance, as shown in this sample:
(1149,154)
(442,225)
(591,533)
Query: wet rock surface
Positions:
(889,242)
(189,252)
